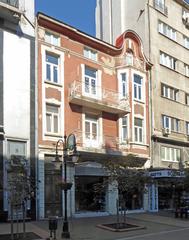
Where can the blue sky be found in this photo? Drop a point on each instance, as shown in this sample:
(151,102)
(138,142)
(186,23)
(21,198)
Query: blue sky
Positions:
(77,13)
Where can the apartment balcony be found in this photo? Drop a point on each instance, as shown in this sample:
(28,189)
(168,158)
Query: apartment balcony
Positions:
(160,7)
(130,61)
(97,143)
(98,98)
(9,10)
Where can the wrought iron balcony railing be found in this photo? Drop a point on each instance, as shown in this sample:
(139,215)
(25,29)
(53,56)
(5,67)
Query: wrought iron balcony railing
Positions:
(99,143)
(98,98)
(13,3)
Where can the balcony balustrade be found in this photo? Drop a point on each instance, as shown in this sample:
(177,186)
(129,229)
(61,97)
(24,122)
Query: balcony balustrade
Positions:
(100,98)
(98,143)
(130,61)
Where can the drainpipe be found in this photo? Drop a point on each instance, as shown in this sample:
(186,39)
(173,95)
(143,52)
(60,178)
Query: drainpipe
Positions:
(150,89)
(36,116)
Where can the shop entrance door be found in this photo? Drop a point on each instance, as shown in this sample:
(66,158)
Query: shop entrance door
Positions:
(53,193)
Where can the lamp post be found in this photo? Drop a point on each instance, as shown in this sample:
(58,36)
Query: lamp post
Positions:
(69,150)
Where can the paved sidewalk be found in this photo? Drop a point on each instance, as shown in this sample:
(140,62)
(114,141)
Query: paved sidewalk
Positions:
(86,228)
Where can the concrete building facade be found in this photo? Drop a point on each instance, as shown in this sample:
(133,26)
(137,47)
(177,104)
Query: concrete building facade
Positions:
(99,92)
(163,27)
(17,93)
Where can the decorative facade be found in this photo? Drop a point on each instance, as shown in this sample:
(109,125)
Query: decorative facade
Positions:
(99,92)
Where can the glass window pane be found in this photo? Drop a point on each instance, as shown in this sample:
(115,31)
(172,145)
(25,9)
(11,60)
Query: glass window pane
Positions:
(48,37)
(140,134)
(52,109)
(139,93)
(94,130)
(55,74)
(87,129)
(168,154)
(52,59)
(178,154)
(86,84)
(137,79)
(86,53)
(136,134)
(93,86)
(124,121)
(48,72)
(55,124)
(138,122)
(163,153)
(55,40)
(124,133)
(135,91)
(93,56)
(48,121)
(90,72)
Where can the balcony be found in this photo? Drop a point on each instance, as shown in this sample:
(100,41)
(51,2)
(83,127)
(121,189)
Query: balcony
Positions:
(160,7)
(97,143)
(129,61)
(101,99)
(9,10)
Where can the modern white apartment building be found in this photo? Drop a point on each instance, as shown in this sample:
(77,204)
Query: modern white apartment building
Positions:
(17,92)
(163,26)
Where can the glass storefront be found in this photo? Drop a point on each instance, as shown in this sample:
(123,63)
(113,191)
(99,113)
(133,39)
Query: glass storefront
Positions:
(131,200)
(89,194)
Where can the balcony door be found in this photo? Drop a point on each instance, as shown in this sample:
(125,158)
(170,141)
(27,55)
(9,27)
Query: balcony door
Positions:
(91,131)
(90,84)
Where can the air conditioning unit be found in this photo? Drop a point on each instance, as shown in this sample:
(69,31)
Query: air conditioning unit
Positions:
(185,16)
(166,131)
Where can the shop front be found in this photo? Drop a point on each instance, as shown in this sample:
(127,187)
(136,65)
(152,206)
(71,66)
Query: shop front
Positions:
(169,188)
(94,195)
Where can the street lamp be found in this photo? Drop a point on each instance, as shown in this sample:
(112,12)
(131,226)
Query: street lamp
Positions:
(69,150)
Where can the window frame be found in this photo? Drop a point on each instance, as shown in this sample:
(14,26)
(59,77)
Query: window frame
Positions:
(166,91)
(52,119)
(167,31)
(90,142)
(139,131)
(124,127)
(170,154)
(138,89)
(90,83)
(173,124)
(52,36)
(186,68)
(186,41)
(168,61)
(52,67)
(90,54)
